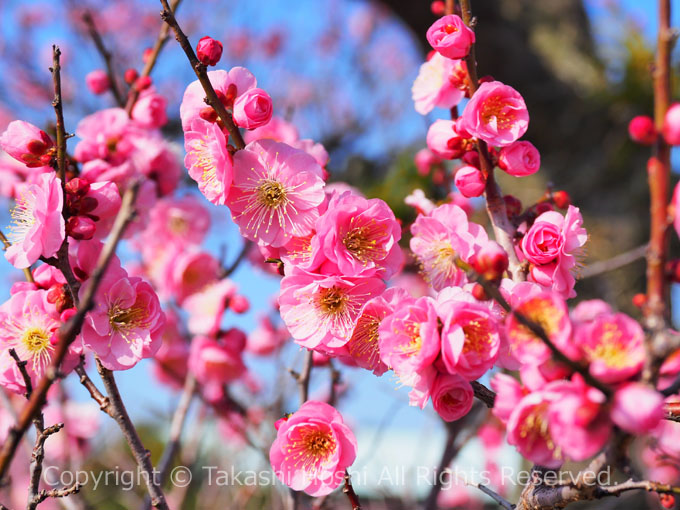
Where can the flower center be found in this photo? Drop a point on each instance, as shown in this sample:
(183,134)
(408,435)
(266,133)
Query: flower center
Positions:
(177,224)
(319,444)
(271,193)
(124,320)
(494,111)
(364,341)
(477,336)
(609,347)
(332,301)
(36,340)
(534,428)
(449,29)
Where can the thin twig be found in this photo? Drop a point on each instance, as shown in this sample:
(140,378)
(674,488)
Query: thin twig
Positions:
(151,60)
(59,112)
(21,365)
(58,493)
(202,75)
(68,332)
(348,490)
(494,495)
(91,387)
(620,260)
(484,394)
(303,377)
(37,458)
(106,55)
(228,271)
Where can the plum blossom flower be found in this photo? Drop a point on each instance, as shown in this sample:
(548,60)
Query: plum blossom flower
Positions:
(434,86)
(364,344)
(29,325)
(452,396)
(360,236)
(322,310)
(127,323)
(637,408)
(439,238)
(214,364)
(519,159)
(252,109)
(276,129)
(444,140)
(312,449)
(106,135)
(424,160)
(149,110)
(450,36)
(470,181)
(206,307)
(613,345)
(496,114)
(97,81)
(27,143)
(276,192)
(266,338)
(208,160)
(38,227)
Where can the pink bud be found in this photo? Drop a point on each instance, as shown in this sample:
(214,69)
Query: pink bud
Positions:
(438,8)
(490,261)
(519,159)
(641,130)
(443,140)
(451,37)
(77,186)
(252,109)
(130,75)
(147,55)
(209,51)
(239,304)
(561,199)
(26,143)
(97,81)
(469,181)
(671,125)
(425,160)
(80,228)
(637,408)
(143,83)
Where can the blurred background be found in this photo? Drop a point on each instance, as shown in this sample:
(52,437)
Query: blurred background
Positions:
(341,71)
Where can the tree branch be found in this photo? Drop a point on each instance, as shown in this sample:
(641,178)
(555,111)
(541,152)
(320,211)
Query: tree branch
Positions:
(106,55)
(620,260)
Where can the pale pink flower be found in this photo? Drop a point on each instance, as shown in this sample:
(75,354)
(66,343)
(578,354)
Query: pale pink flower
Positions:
(470,181)
(549,311)
(97,81)
(209,162)
(439,238)
(81,424)
(28,144)
(409,338)
(186,272)
(496,114)
(38,227)
(450,36)
(252,109)
(637,408)
(228,86)
(276,192)
(322,310)
(364,344)
(276,129)
(314,149)
(149,110)
(553,244)
(206,308)
(470,337)
(108,202)
(420,202)
(444,140)
(424,160)
(15,176)
(214,364)
(170,365)
(266,338)
(613,346)
(127,322)
(434,87)
(519,159)
(359,236)
(452,396)
(105,135)
(537,376)
(29,324)
(312,449)
(179,221)
(588,310)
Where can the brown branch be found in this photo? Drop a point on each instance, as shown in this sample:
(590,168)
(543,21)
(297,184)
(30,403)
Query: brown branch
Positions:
(68,332)
(484,394)
(21,364)
(302,378)
(91,387)
(37,458)
(620,260)
(57,493)
(152,59)
(656,308)
(139,452)
(106,55)
(202,75)
(494,495)
(349,491)
(228,271)
(59,112)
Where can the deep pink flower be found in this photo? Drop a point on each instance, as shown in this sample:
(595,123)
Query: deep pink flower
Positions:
(209,51)
(276,129)
(186,272)
(450,36)
(443,139)
(252,109)
(509,393)
(439,238)
(170,365)
(214,364)
(97,81)
(38,227)
(637,408)
(126,324)
(434,87)
(276,192)
(206,308)
(322,310)
(470,181)
(452,396)
(312,449)
(208,160)
(364,344)
(227,85)
(149,110)
(496,114)
(519,159)
(27,143)
(613,345)
(360,236)
(176,220)
(29,324)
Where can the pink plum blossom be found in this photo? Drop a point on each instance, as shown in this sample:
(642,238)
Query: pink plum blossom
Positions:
(420,202)
(439,238)
(452,396)
(214,364)
(38,227)
(106,135)
(178,220)
(322,310)
(364,344)
(637,408)
(450,36)
(206,308)
(671,125)
(509,393)
(434,88)
(252,109)
(276,192)
(312,449)
(208,160)
(266,338)
(424,160)
(149,110)
(97,81)
(276,129)
(519,159)
(314,149)
(470,181)
(127,323)
(27,143)
(170,365)
(496,114)
(443,139)
(360,236)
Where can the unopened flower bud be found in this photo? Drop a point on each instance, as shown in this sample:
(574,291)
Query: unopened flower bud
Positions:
(641,130)
(147,55)
(27,143)
(209,51)
(239,304)
(143,83)
(80,228)
(97,81)
(561,199)
(438,8)
(479,293)
(490,261)
(208,113)
(469,181)
(639,300)
(130,76)
(78,187)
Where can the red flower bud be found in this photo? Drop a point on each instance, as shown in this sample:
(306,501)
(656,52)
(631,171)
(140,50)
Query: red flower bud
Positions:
(80,228)
(147,55)
(479,293)
(561,199)
(143,83)
(208,113)
(639,300)
(209,51)
(438,8)
(667,500)
(130,76)
(641,130)
(78,187)
(239,304)
(490,261)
